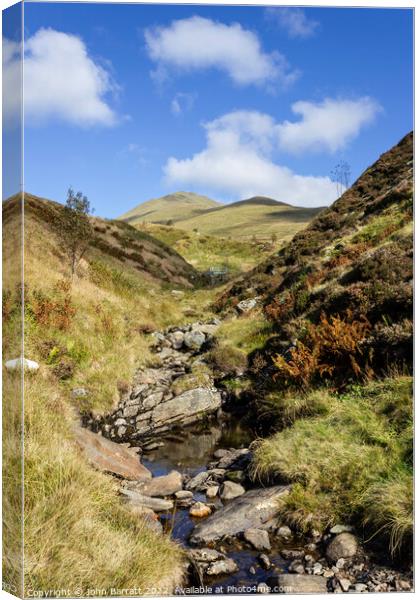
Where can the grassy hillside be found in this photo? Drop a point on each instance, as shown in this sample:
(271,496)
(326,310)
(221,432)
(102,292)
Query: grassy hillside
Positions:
(331,377)
(173,207)
(92,334)
(205,251)
(259,217)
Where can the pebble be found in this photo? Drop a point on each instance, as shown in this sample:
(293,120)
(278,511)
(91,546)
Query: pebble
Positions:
(265,561)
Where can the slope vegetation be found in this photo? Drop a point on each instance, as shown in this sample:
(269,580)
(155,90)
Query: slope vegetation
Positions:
(260,217)
(173,207)
(90,335)
(332,378)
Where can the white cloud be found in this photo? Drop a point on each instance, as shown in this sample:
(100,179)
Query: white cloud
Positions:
(182,102)
(294,21)
(61,80)
(238,159)
(199,43)
(328,125)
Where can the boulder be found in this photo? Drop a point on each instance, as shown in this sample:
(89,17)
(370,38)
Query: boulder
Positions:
(197,481)
(344,545)
(250,510)
(286,583)
(194,339)
(16,364)
(258,538)
(176,339)
(188,407)
(166,485)
(110,457)
(284,532)
(230,490)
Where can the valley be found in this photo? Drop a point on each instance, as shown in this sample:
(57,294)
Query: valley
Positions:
(266,418)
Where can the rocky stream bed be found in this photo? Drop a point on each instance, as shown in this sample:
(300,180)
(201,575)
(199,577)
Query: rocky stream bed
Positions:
(193,482)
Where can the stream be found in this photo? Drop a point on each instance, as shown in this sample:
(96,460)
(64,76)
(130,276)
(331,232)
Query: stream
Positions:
(190,452)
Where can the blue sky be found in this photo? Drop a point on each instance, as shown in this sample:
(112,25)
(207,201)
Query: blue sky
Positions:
(129,102)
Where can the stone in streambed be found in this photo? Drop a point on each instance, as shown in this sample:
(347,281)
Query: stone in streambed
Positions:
(183,495)
(197,481)
(212,491)
(166,485)
(194,339)
(251,510)
(200,510)
(222,567)
(343,545)
(139,499)
(258,538)
(230,490)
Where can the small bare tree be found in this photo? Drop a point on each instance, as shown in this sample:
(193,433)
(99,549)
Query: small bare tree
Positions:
(341,175)
(74,228)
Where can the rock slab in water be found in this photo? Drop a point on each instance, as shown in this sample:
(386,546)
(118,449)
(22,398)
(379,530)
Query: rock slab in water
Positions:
(297,584)
(138,499)
(249,511)
(111,457)
(166,485)
(343,546)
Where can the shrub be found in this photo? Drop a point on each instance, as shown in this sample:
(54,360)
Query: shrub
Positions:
(331,349)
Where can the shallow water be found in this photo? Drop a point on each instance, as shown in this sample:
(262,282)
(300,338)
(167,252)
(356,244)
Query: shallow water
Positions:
(189,451)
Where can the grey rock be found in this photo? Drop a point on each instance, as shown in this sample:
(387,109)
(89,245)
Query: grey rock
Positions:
(152,400)
(79,392)
(360,587)
(343,546)
(188,407)
(296,567)
(341,529)
(139,499)
(287,583)
(251,510)
(221,453)
(345,584)
(206,555)
(197,481)
(176,339)
(230,490)
(166,485)
(194,339)
(222,567)
(131,411)
(284,532)
(183,495)
(258,538)
(211,492)
(292,554)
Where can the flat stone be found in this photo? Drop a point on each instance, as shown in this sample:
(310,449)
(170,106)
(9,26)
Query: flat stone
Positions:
(287,583)
(250,510)
(343,546)
(258,538)
(230,490)
(166,485)
(136,498)
(110,457)
(153,400)
(183,495)
(222,567)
